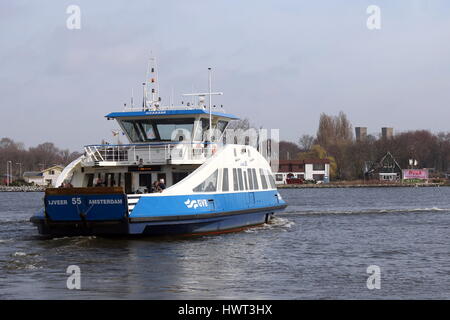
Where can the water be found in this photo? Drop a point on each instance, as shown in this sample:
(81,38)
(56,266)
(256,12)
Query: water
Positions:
(319,249)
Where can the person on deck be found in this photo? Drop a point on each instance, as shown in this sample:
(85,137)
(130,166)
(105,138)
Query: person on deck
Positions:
(162,186)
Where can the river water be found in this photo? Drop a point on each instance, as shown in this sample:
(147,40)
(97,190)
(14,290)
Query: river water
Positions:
(320,248)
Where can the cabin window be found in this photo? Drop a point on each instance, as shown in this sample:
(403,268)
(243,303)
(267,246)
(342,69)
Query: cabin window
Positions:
(178,176)
(245,180)
(221,125)
(241,182)
(119,179)
(263,179)
(209,185)
(90,180)
(146,130)
(279,177)
(225,186)
(255,179)
(167,126)
(235,180)
(201,129)
(145,180)
(132,131)
(250,178)
(271,180)
(149,131)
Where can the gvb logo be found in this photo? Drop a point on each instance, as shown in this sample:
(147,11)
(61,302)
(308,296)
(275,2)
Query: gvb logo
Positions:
(196,203)
(74,280)
(374,280)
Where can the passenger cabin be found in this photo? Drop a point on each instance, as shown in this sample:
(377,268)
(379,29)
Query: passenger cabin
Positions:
(163,144)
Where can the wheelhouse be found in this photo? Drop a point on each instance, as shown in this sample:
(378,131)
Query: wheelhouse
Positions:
(163,145)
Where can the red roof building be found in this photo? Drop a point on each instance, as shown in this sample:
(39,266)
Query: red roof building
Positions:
(297,171)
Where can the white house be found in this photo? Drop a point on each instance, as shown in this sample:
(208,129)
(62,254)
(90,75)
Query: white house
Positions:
(46,177)
(296,171)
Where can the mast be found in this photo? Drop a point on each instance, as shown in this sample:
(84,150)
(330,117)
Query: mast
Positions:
(152,86)
(210,97)
(209,94)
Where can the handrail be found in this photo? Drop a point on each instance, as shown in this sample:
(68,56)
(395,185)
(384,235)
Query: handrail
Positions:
(152,144)
(149,153)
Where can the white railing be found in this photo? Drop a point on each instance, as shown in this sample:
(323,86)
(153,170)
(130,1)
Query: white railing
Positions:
(149,153)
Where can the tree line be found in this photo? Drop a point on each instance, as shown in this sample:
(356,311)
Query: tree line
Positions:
(350,158)
(34,158)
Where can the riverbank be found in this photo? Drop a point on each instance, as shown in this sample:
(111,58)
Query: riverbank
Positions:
(22,189)
(360,185)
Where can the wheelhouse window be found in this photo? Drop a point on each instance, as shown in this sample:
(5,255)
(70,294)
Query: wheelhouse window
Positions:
(209,185)
(201,132)
(221,125)
(149,130)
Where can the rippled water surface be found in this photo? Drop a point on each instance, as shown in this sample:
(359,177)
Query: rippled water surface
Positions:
(319,248)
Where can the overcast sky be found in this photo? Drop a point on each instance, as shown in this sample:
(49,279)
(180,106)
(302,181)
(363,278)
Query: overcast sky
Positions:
(279,63)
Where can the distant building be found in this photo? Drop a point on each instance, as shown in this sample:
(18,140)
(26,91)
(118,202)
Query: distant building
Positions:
(35,177)
(46,177)
(361,133)
(387,133)
(296,171)
(385,169)
(5,177)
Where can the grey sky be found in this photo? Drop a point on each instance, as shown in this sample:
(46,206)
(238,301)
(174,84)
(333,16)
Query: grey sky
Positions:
(279,63)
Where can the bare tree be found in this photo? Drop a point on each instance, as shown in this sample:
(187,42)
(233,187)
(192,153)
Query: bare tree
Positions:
(306,142)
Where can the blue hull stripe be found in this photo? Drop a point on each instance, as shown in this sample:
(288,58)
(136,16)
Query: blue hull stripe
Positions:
(198,204)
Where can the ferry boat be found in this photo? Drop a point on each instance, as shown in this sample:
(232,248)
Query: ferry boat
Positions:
(172,178)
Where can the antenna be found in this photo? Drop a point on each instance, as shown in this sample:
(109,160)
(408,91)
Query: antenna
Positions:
(144,97)
(202,95)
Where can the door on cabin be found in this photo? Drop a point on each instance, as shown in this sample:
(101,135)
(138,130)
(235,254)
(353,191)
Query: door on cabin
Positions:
(128,184)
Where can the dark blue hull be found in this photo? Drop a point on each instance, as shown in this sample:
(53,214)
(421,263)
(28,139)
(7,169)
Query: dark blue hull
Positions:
(225,222)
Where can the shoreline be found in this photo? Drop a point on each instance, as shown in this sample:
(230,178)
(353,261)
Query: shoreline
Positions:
(279,186)
(22,189)
(360,185)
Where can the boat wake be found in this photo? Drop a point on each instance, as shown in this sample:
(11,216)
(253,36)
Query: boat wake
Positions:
(293,211)
(276,222)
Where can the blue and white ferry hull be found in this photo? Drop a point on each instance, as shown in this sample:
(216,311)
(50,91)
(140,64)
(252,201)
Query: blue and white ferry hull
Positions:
(159,216)
(203,214)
